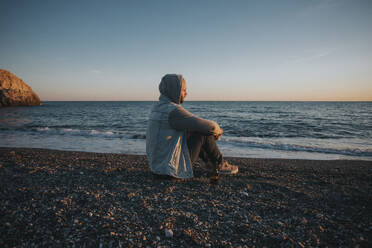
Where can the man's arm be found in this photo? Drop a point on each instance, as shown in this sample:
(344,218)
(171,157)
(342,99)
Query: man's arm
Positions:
(181,119)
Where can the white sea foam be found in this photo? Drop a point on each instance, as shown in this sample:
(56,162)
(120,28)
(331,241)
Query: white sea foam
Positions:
(352,147)
(41,129)
(349,147)
(90,133)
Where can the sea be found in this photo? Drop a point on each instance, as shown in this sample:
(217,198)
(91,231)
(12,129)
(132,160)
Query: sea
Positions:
(291,130)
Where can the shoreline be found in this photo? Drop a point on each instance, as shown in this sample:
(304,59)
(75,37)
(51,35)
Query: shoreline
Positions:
(70,198)
(228,156)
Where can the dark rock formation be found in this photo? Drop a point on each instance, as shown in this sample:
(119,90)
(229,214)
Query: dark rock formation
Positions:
(15,92)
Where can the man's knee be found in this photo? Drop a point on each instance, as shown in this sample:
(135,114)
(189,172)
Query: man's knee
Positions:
(196,136)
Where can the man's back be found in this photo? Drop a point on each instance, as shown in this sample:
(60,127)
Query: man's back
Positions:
(166,147)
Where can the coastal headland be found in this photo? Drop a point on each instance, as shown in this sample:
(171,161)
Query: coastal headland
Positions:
(79,199)
(15,92)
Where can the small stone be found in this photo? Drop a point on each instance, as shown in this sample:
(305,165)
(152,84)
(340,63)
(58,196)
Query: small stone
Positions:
(304,221)
(244,193)
(301,244)
(81,173)
(168,233)
(157,238)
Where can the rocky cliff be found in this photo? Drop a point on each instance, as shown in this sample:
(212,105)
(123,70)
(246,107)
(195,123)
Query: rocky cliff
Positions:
(15,92)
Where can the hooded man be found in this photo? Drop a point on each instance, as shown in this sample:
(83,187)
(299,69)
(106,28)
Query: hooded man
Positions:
(175,138)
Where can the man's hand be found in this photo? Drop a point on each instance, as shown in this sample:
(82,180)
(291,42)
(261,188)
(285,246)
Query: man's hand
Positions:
(219,134)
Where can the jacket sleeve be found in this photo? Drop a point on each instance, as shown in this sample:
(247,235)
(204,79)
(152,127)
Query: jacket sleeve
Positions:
(181,119)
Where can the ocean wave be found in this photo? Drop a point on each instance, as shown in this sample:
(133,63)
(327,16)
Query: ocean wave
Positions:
(357,147)
(302,145)
(89,133)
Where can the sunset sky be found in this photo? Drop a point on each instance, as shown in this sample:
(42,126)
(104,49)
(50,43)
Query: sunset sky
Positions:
(226,50)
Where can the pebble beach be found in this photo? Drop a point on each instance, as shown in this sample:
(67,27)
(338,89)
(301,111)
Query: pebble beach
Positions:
(80,199)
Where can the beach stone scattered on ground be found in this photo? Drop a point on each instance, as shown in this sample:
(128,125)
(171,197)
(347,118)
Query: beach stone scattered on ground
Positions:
(79,199)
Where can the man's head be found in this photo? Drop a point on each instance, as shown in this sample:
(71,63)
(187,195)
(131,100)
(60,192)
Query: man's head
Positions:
(173,86)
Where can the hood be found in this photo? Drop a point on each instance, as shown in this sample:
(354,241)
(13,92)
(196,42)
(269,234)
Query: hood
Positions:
(170,86)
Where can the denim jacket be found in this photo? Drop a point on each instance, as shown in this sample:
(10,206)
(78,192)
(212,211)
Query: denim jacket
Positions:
(166,147)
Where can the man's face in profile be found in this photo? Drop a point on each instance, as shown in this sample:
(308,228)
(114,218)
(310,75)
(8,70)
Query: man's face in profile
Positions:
(183,92)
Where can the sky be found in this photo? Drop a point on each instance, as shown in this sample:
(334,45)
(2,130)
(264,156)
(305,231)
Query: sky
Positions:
(288,50)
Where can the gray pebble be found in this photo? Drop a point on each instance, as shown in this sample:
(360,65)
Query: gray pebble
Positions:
(168,233)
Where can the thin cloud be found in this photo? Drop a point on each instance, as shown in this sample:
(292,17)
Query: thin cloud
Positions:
(320,6)
(306,56)
(95,71)
(311,57)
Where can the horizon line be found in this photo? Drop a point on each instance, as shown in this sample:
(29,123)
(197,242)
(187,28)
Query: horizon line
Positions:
(209,101)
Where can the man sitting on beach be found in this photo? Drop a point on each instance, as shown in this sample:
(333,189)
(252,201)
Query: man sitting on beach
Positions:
(176,138)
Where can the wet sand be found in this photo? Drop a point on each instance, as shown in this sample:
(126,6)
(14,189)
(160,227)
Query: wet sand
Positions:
(79,199)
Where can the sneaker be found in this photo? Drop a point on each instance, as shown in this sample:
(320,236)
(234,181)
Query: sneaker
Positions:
(226,168)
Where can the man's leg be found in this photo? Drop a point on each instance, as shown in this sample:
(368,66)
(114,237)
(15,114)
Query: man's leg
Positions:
(205,147)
